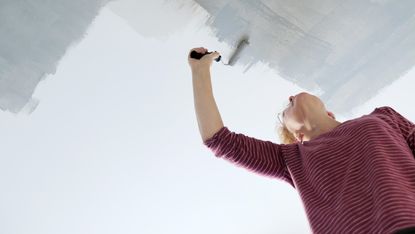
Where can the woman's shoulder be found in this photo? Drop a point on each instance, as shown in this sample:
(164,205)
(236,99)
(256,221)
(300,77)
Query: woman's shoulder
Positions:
(387,110)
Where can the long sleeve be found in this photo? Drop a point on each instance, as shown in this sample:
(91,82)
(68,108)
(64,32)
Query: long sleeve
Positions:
(262,157)
(406,127)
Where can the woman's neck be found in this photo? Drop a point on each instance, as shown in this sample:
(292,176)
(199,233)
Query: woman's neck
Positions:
(319,126)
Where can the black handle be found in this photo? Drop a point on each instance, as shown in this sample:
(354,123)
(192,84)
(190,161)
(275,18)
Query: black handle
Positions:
(197,55)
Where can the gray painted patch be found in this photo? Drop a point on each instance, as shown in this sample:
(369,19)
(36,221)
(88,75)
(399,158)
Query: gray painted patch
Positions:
(346,51)
(34,37)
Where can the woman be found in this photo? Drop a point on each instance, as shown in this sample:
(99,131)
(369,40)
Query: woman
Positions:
(356,176)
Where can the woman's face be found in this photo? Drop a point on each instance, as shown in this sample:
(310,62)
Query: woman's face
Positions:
(300,105)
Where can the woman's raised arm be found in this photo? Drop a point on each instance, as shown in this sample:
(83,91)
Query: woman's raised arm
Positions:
(207,113)
(262,157)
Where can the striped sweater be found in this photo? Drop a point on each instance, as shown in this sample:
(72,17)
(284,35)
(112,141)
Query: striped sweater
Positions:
(357,178)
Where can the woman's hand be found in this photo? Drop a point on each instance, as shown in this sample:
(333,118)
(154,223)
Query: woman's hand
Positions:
(203,63)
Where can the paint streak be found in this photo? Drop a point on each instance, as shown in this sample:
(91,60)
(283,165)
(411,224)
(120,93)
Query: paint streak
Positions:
(34,37)
(345,51)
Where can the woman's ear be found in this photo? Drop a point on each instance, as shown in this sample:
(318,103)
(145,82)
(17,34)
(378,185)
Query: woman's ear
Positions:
(331,114)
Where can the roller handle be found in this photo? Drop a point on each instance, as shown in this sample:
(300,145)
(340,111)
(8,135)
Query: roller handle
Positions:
(197,55)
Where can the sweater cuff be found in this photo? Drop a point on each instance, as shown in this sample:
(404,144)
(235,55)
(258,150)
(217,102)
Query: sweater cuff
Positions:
(212,141)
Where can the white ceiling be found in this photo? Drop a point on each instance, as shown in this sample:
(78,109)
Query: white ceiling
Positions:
(112,146)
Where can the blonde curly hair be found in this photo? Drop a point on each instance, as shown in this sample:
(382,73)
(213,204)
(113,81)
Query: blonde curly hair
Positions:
(286,137)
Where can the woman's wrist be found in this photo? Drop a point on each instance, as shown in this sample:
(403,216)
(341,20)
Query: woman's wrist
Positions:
(200,71)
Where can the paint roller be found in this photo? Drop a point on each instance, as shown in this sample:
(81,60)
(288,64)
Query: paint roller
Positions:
(234,56)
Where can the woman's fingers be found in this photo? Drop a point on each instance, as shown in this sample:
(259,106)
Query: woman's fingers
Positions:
(205,61)
(215,54)
(201,50)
